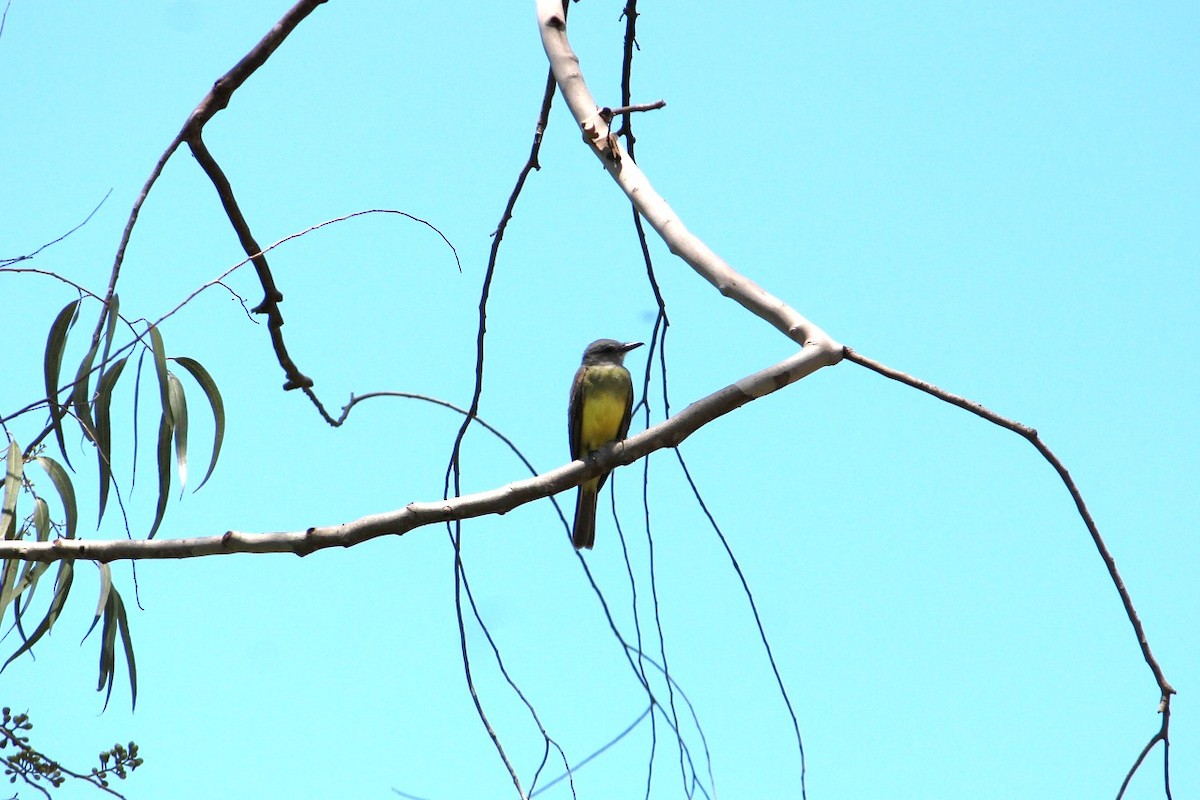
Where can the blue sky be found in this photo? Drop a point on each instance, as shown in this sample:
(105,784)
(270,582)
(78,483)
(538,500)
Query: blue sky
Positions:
(1002,200)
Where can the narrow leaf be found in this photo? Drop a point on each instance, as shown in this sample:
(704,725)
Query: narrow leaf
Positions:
(160,369)
(104,390)
(114,306)
(34,569)
(127,643)
(105,588)
(11,567)
(41,519)
(108,649)
(55,344)
(62,586)
(81,397)
(164,471)
(62,482)
(137,395)
(180,417)
(29,578)
(14,468)
(215,402)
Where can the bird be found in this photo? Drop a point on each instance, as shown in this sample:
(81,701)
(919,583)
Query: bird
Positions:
(598,414)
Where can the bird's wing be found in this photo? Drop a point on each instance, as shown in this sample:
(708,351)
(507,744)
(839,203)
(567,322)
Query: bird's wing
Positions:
(574,417)
(624,429)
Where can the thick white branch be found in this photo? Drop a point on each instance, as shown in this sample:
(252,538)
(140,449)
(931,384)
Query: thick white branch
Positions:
(416,515)
(653,208)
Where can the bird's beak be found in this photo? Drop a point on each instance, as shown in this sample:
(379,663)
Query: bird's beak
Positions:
(625,348)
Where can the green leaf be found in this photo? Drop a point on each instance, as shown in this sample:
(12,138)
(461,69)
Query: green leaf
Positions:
(164,471)
(55,344)
(62,586)
(62,482)
(14,468)
(215,402)
(180,417)
(137,396)
(81,397)
(105,589)
(160,369)
(108,648)
(113,307)
(115,621)
(127,643)
(9,577)
(104,390)
(33,569)
(29,578)
(41,519)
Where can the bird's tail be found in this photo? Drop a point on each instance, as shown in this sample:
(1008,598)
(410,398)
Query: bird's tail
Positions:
(583,534)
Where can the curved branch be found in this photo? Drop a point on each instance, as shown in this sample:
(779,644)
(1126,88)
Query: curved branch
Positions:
(419,514)
(216,100)
(682,242)
(1031,435)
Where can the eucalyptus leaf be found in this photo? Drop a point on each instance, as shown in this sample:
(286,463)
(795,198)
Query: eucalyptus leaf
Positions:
(55,345)
(215,403)
(127,643)
(62,587)
(66,491)
(179,416)
(108,649)
(81,398)
(104,390)
(164,471)
(105,589)
(160,370)
(14,468)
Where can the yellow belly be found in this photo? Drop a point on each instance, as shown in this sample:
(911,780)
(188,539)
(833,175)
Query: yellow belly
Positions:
(603,412)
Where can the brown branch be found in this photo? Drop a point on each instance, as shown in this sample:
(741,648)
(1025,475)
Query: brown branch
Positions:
(7,261)
(218,281)
(216,100)
(1031,435)
(609,113)
(1160,736)
(418,514)
(272,297)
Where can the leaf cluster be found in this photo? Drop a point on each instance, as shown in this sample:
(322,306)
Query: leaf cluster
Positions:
(86,403)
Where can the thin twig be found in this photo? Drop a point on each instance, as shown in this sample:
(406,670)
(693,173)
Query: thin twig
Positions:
(6,262)
(213,102)
(1031,435)
(609,113)
(453,475)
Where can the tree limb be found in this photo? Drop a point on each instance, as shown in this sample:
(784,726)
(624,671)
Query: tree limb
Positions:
(682,242)
(417,514)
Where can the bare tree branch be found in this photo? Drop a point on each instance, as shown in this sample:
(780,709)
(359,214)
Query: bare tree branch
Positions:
(651,205)
(216,100)
(418,514)
(453,476)
(1031,435)
(6,262)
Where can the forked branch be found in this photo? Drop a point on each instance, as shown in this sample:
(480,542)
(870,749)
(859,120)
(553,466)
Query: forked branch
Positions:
(417,514)
(682,242)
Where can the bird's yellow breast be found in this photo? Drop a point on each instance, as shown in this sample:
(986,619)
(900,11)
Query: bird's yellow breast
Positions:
(606,395)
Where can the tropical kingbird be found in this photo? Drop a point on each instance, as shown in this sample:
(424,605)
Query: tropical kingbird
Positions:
(601,404)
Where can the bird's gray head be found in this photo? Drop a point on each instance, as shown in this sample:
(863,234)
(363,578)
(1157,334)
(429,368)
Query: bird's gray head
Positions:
(607,351)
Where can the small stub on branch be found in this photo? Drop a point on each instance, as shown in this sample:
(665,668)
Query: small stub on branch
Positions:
(609,113)
(597,133)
